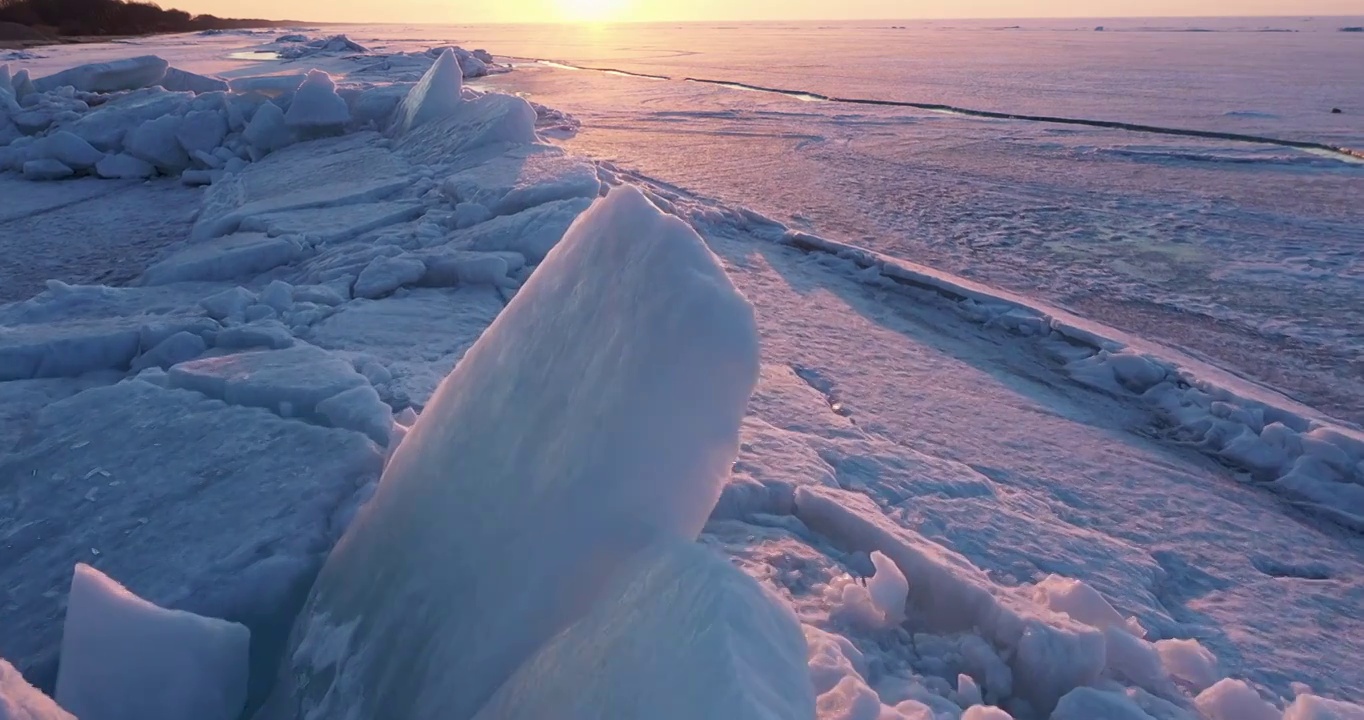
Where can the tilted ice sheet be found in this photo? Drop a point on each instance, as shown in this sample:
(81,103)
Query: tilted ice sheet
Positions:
(504,481)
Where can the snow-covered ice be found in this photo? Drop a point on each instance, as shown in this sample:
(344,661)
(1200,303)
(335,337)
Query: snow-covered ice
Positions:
(1230,699)
(47,169)
(949,501)
(21,701)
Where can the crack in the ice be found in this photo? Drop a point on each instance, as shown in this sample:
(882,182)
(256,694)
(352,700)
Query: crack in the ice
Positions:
(1284,569)
(808,96)
(825,388)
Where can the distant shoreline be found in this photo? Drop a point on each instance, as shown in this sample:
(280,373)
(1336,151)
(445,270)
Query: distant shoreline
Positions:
(91,39)
(26,25)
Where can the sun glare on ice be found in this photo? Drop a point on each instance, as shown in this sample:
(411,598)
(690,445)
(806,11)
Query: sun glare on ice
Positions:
(591,10)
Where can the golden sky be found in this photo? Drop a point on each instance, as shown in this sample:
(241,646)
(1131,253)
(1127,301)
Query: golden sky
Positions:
(514,11)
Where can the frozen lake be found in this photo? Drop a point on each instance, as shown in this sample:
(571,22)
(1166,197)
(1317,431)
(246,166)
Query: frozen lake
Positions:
(1245,254)
(652,421)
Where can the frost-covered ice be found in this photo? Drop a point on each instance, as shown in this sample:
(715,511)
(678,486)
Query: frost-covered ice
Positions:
(948,501)
(1230,699)
(21,701)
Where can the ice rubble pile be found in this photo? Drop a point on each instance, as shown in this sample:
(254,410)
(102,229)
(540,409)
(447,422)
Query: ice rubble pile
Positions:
(138,117)
(1057,650)
(248,352)
(409,66)
(292,47)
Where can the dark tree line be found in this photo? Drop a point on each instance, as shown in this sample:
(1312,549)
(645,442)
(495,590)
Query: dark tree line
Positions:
(112,17)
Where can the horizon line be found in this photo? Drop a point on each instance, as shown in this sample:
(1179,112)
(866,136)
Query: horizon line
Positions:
(821,20)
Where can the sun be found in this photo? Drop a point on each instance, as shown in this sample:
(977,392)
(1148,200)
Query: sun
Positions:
(591,10)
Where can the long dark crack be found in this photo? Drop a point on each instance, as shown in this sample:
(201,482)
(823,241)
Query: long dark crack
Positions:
(808,96)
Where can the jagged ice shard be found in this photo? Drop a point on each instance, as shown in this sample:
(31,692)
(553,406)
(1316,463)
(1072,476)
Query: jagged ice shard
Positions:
(596,417)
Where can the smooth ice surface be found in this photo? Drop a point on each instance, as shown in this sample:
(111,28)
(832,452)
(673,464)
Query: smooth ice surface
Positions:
(201,131)
(291,382)
(1090,704)
(985,712)
(124,658)
(384,275)
(47,169)
(127,74)
(224,258)
(155,142)
(888,587)
(71,150)
(732,651)
(268,130)
(177,80)
(629,318)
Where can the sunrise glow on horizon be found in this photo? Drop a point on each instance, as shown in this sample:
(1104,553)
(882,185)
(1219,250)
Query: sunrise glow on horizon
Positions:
(603,11)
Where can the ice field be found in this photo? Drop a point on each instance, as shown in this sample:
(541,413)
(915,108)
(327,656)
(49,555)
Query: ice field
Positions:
(372,377)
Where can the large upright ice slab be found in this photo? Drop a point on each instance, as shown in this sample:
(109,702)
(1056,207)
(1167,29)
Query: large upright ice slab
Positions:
(681,634)
(436,95)
(124,658)
(599,412)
